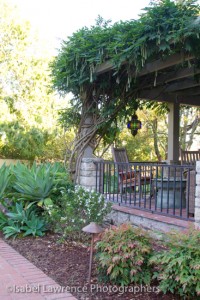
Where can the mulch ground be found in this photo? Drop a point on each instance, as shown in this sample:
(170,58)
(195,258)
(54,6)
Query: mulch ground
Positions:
(68,265)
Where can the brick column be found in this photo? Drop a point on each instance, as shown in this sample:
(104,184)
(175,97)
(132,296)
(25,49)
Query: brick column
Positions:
(91,174)
(197,196)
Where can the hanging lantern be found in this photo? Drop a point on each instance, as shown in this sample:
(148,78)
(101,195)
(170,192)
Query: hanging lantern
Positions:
(134,124)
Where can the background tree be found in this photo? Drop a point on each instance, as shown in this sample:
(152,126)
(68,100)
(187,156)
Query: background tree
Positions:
(151,141)
(190,127)
(28,121)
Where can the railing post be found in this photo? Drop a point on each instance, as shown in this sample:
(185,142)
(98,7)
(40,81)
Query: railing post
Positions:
(197,196)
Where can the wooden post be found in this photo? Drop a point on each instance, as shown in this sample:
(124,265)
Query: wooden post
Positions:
(173,133)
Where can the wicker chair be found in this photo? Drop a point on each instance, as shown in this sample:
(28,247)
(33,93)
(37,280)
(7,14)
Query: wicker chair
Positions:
(189,157)
(130,177)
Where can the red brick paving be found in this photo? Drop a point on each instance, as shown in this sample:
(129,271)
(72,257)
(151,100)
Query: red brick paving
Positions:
(20,279)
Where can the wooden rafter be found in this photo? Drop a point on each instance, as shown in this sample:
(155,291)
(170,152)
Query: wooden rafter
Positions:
(161,64)
(154,66)
(195,91)
(182,85)
(165,80)
(158,94)
(170,76)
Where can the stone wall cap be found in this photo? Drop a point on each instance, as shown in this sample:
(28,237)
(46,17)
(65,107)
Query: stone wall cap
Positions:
(92,159)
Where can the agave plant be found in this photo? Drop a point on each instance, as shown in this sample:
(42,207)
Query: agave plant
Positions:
(3,220)
(12,229)
(33,184)
(34,226)
(5,177)
(20,214)
(22,221)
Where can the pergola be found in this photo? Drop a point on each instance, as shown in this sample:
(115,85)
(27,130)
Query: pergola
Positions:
(109,69)
(173,80)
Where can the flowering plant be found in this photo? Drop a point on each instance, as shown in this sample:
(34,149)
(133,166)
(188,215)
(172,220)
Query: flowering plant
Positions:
(78,207)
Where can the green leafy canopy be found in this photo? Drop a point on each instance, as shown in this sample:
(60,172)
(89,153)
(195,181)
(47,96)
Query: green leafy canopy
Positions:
(163,29)
(166,27)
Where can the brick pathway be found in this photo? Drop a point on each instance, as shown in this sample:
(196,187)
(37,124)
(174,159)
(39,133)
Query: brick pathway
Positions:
(20,279)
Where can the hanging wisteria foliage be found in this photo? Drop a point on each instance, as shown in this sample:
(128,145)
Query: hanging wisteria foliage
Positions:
(166,27)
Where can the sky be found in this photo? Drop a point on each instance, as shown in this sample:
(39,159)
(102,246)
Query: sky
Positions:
(55,20)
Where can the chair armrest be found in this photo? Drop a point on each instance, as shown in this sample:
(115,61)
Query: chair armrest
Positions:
(124,175)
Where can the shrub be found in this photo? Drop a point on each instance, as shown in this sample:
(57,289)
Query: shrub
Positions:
(21,221)
(123,255)
(33,189)
(76,208)
(178,267)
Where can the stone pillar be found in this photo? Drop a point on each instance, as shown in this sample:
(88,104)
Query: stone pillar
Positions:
(173,133)
(91,175)
(197,196)
(85,129)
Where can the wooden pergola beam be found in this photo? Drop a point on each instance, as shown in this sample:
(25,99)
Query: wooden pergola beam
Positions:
(182,85)
(161,64)
(169,77)
(104,67)
(175,88)
(195,91)
(160,96)
(153,66)
(176,75)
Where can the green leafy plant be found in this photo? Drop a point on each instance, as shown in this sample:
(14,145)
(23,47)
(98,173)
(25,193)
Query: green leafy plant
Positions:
(12,229)
(24,221)
(41,184)
(61,181)
(34,226)
(33,184)
(178,267)
(3,220)
(123,254)
(19,214)
(22,141)
(5,177)
(38,183)
(76,208)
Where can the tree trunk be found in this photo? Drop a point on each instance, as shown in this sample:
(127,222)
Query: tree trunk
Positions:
(155,139)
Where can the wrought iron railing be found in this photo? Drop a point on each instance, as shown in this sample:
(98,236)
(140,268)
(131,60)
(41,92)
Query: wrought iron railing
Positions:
(155,187)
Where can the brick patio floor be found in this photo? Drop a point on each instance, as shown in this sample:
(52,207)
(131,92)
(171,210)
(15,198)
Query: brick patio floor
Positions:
(20,279)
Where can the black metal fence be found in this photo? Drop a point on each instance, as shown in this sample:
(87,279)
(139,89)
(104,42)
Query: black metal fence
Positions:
(159,188)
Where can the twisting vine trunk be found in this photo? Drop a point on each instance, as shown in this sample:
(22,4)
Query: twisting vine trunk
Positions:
(85,140)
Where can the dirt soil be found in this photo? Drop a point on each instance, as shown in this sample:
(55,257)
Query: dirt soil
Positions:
(68,265)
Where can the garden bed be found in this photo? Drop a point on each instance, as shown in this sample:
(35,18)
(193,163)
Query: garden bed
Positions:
(67,264)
